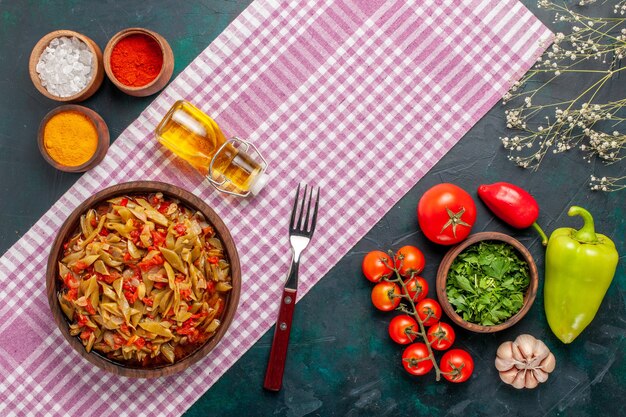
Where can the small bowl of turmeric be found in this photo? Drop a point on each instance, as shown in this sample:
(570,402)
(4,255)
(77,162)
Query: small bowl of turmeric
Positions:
(73,138)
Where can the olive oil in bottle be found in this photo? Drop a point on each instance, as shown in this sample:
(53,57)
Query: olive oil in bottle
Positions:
(196,138)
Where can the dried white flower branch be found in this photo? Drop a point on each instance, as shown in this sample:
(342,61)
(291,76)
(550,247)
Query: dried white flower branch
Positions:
(595,47)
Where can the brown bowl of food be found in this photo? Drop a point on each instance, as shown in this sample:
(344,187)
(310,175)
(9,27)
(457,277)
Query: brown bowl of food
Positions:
(487,283)
(143,279)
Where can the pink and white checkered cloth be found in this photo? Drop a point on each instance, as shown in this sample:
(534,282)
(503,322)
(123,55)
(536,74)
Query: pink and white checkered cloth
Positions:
(359,97)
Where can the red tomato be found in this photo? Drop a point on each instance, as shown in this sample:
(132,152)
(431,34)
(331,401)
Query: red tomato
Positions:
(89,307)
(82,320)
(386,296)
(72,294)
(417,288)
(415,359)
(147,264)
(429,311)
(441,336)
(134,235)
(158,238)
(446,214)
(456,365)
(70,281)
(180,229)
(409,261)
(163,207)
(376,265)
(140,342)
(400,328)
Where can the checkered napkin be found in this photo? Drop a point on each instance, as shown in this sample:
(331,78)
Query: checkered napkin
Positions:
(359,97)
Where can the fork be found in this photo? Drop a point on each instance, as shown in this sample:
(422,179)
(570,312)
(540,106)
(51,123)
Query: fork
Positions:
(301,228)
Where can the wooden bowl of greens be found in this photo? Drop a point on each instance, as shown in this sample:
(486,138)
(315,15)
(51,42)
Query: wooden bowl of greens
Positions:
(487,283)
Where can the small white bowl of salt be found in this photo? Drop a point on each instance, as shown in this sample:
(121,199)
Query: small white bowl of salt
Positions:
(66,66)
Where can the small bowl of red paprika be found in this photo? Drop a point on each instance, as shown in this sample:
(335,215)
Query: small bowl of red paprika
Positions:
(138,61)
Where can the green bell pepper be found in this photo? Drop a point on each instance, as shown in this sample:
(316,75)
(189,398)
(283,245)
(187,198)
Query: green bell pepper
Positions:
(580,265)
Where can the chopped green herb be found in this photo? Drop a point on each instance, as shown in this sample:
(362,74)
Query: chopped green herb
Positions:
(487,282)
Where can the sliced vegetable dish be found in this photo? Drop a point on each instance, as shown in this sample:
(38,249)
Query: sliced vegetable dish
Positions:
(144,280)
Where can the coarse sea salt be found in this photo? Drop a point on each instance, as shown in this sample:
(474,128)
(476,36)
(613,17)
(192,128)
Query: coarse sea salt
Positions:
(65,66)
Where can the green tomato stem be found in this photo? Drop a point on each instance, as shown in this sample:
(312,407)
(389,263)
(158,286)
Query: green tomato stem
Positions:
(422,331)
(413,311)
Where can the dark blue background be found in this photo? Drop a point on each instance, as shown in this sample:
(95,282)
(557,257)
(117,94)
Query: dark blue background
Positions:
(341,361)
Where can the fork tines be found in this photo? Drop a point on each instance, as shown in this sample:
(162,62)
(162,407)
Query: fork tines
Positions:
(301,223)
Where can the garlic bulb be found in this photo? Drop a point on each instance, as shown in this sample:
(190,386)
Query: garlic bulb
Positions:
(525,362)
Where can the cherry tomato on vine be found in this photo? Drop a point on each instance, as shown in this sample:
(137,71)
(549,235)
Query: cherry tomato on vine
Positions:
(415,359)
(399,326)
(375,265)
(456,365)
(441,336)
(386,296)
(417,288)
(429,311)
(409,261)
(446,214)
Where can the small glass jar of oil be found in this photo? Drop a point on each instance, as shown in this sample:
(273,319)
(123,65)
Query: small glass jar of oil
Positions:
(233,166)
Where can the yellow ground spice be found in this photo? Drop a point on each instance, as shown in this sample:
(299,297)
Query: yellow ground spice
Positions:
(70,138)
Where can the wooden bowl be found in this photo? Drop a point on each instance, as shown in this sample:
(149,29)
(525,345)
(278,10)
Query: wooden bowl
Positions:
(53,285)
(155,85)
(101,128)
(96,66)
(442,276)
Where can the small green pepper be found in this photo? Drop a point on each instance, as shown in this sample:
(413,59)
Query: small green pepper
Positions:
(580,265)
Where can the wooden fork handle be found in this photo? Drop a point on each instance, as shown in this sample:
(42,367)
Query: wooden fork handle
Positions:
(278,353)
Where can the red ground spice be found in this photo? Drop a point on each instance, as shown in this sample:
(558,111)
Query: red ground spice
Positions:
(136,60)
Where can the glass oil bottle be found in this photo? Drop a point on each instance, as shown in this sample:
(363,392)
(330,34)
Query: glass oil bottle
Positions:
(233,166)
